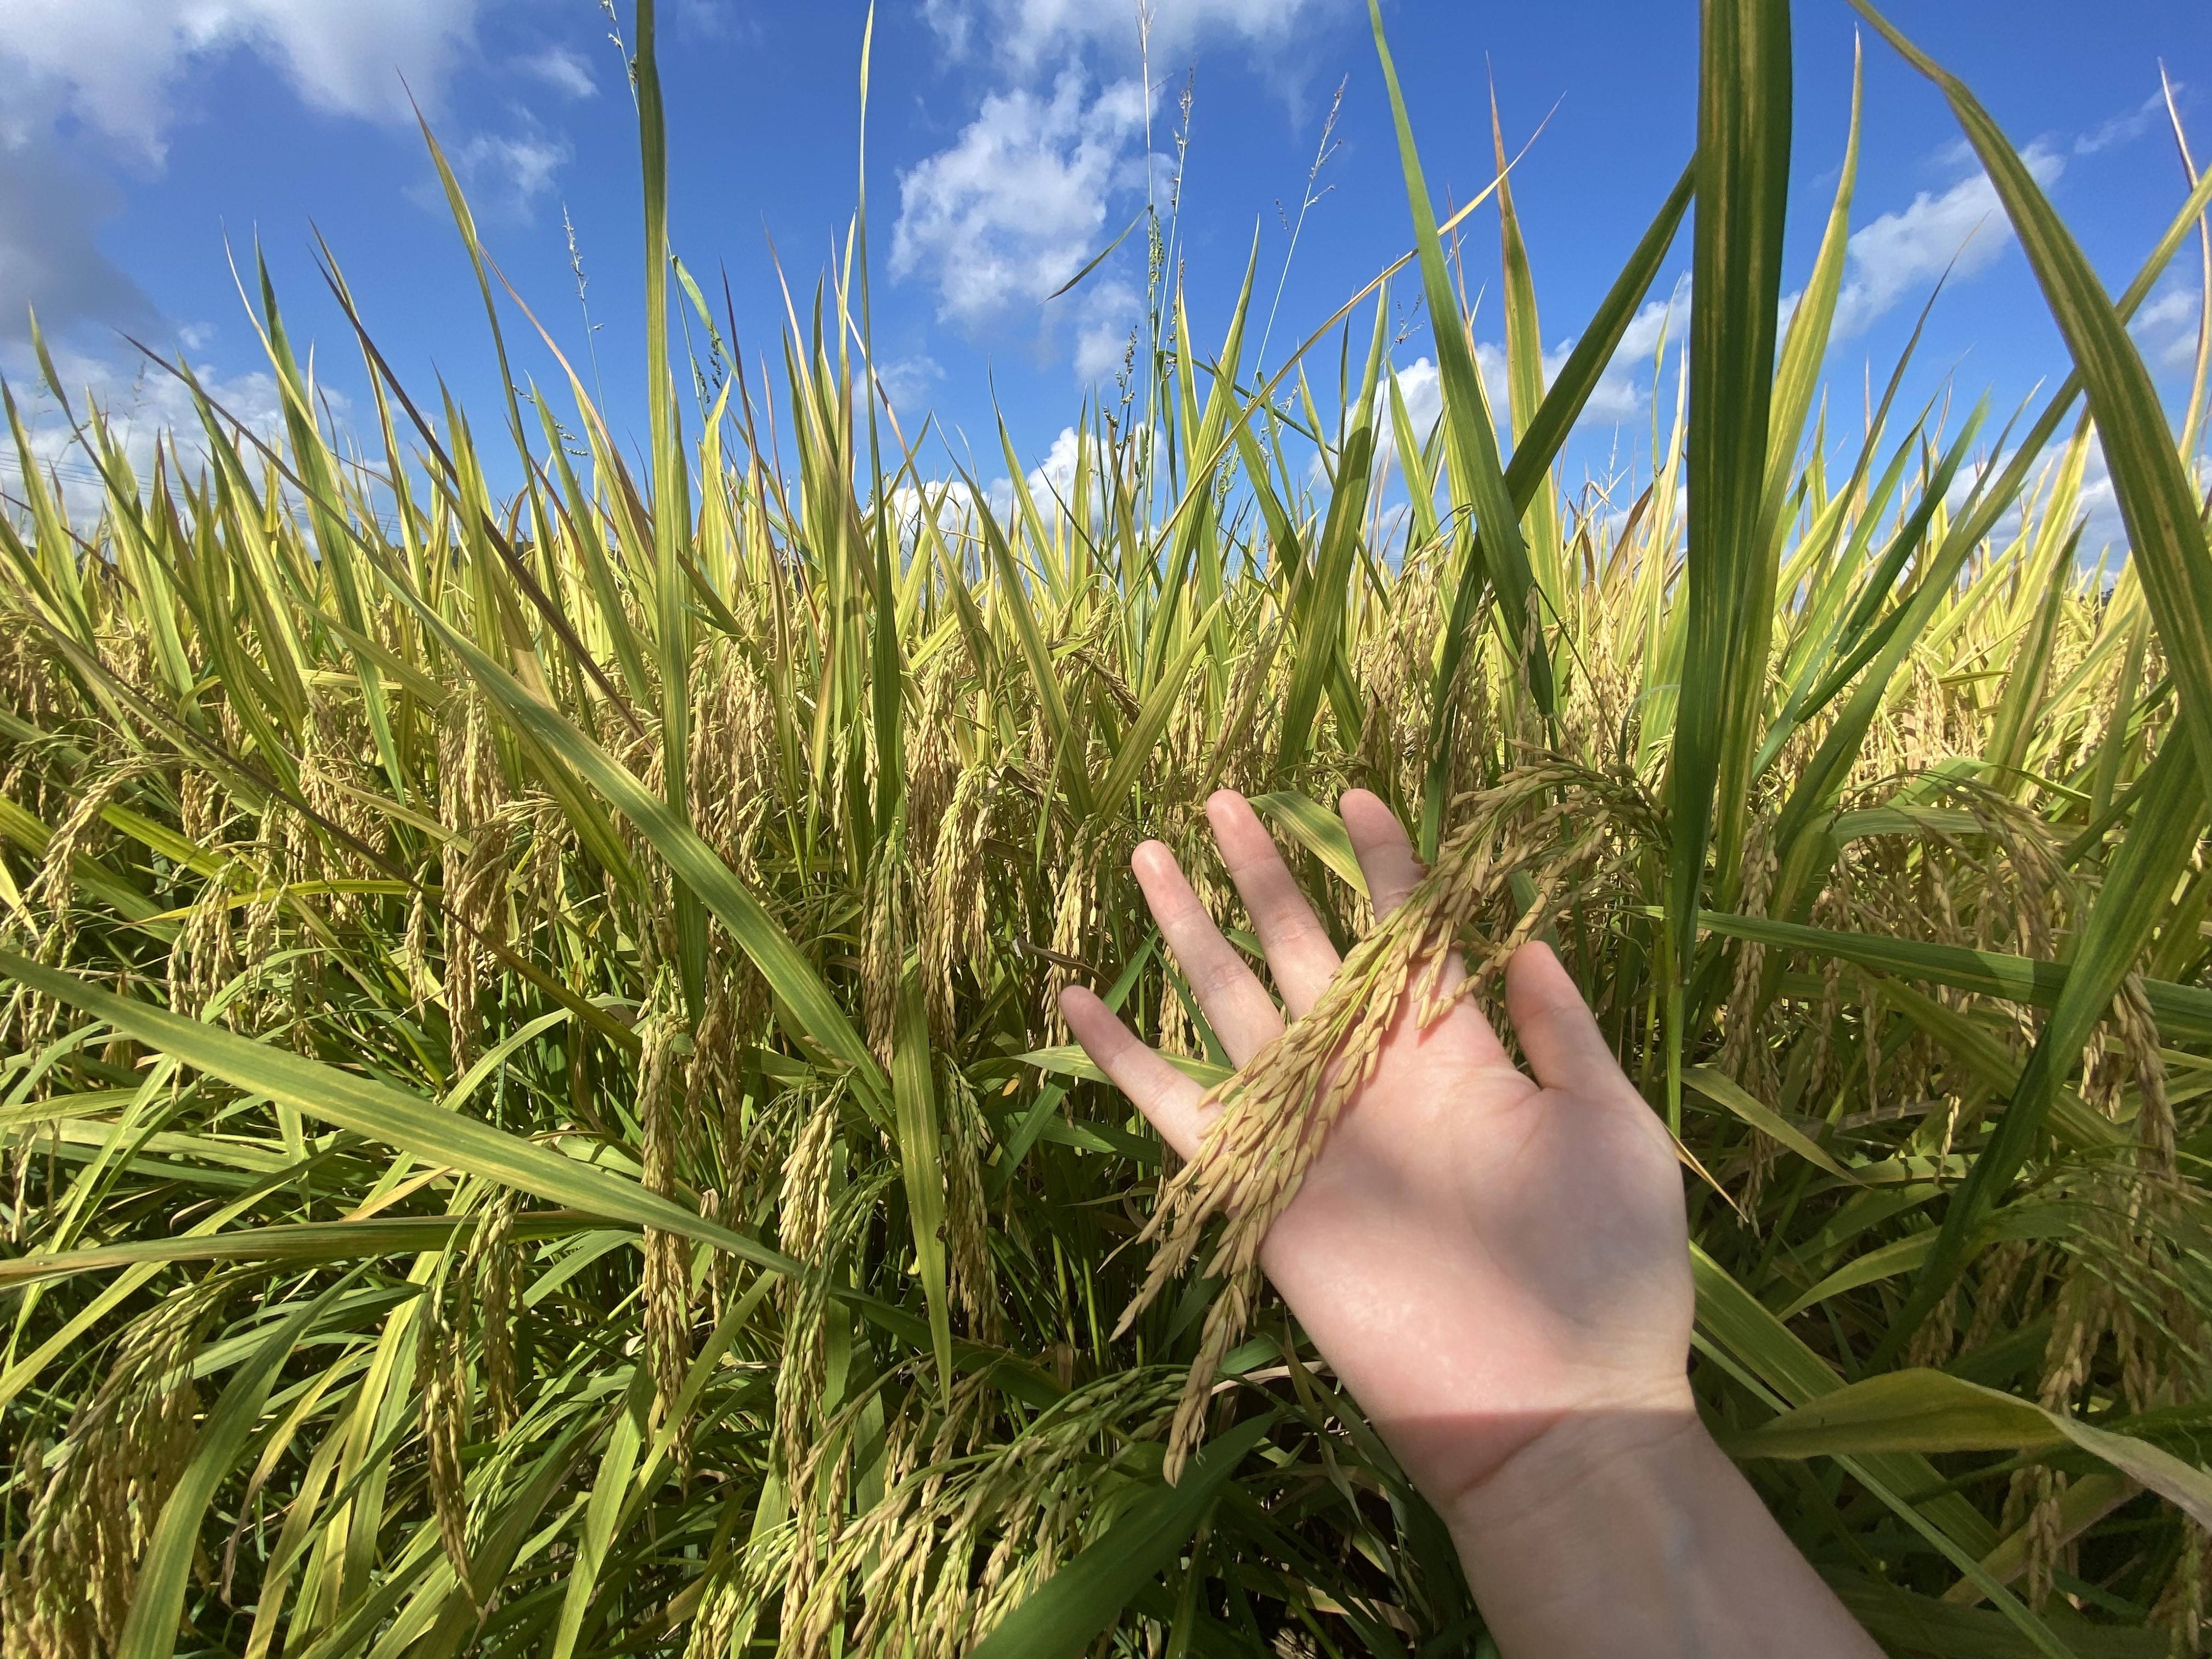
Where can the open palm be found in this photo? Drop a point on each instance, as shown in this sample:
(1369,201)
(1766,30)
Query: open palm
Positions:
(1477,1256)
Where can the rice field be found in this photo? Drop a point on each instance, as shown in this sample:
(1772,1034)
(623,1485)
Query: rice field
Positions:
(535,1119)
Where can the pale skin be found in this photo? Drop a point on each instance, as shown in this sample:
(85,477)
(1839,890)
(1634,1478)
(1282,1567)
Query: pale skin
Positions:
(1497,1268)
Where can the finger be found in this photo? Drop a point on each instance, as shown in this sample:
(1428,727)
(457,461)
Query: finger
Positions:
(1298,950)
(1386,854)
(1558,1033)
(1165,1097)
(1242,1015)
(1387,860)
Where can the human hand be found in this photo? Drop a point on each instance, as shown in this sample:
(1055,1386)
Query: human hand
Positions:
(1485,1260)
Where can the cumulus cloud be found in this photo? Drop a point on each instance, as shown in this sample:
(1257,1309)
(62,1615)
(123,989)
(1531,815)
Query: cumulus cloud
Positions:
(1496,385)
(1047,171)
(563,70)
(1019,201)
(1027,32)
(113,64)
(52,207)
(2125,128)
(907,380)
(504,175)
(86,83)
(1623,388)
(141,401)
(1421,389)
(2165,329)
(1621,392)
(1107,312)
(1053,478)
(716,19)
(947,503)
(951,503)
(2097,508)
(1963,228)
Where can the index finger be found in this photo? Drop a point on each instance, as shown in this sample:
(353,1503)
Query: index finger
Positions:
(1385,851)
(1165,1097)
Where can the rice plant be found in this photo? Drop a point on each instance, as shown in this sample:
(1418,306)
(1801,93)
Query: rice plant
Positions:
(535,1117)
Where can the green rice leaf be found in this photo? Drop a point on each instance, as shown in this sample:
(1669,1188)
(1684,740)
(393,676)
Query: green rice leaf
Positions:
(922,1162)
(1743,165)
(1724,1091)
(2168,823)
(1932,1412)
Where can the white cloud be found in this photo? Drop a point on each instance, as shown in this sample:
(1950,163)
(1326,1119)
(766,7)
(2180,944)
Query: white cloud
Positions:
(1623,387)
(1045,174)
(1107,310)
(2096,508)
(1621,392)
(142,401)
(950,504)
(563,70)
(113,64)
(1490,358)
(86,80)
(52,207)
(716,19)
(1053,478)
(1392,528)
(1026,33)
(1963,228)
(907,380)
(1019,201)
(503,174)
(1422,389)
(2165,329)
(2125,128)
(1656,321)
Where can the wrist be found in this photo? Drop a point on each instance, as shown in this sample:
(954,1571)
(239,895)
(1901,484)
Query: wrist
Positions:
(1586,1459)
(1624,1531)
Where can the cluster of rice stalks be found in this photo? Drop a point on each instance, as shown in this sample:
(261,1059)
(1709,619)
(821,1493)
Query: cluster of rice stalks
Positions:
(534,1121)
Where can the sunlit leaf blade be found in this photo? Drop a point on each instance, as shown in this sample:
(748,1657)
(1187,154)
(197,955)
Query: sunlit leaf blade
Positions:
(2186,1011)
(1742,171)
(1725,1091)
(1926,1411)
(1470,441)
(921,1158)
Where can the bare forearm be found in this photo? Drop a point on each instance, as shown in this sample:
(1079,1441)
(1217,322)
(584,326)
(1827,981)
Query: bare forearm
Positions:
(1620,1535)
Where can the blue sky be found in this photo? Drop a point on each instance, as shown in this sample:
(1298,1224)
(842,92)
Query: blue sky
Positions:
(1007,141)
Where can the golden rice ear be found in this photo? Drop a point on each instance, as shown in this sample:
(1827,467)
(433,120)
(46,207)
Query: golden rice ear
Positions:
(496,1263)
(882,948)
(666,1046)
(72,1575)
(442,1368)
